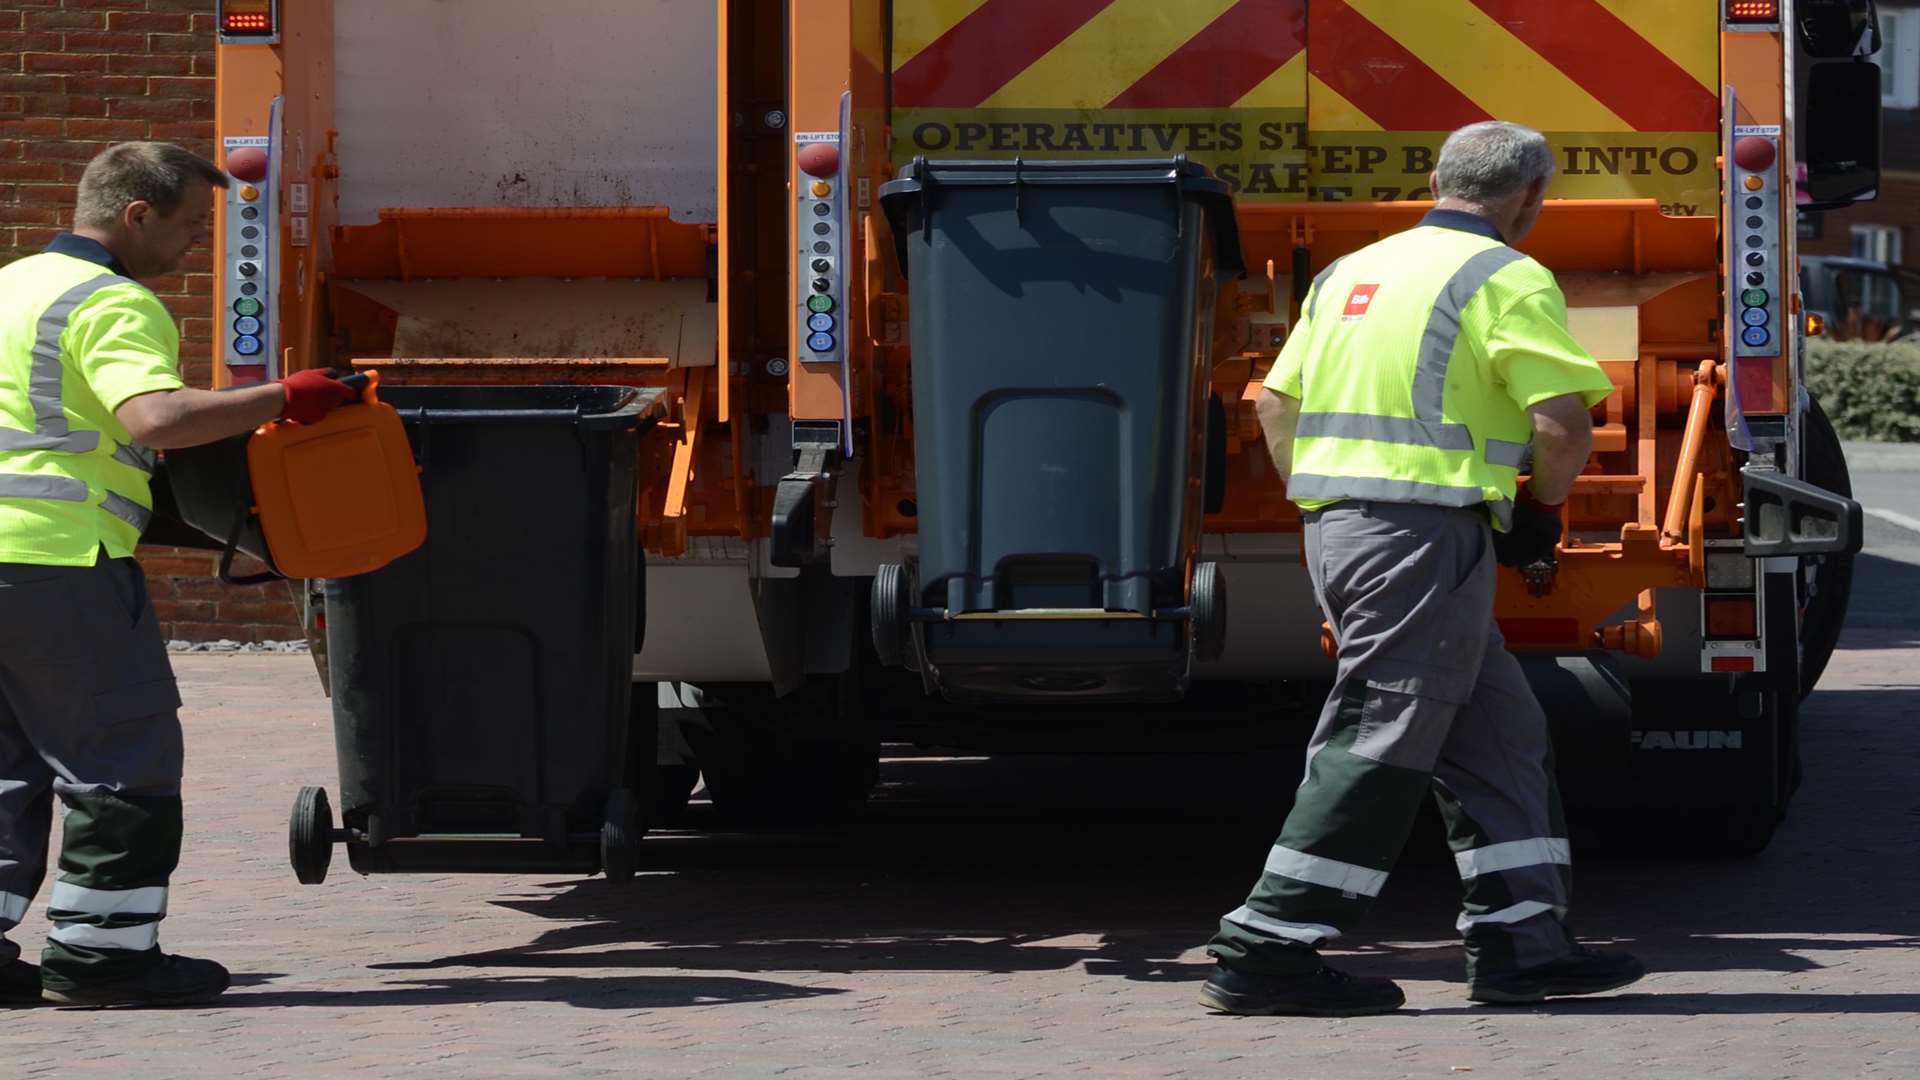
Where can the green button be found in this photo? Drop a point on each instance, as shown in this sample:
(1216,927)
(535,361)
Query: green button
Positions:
(1754,298)
(246,305)
(820,302)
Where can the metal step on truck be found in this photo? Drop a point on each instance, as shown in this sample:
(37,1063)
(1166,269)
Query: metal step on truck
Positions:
(949,317)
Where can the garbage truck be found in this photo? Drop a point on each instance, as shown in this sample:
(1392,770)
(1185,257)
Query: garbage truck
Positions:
(951,316)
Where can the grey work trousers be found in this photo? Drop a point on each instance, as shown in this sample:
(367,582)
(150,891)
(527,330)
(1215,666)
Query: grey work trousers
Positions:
(1426,698)
(88,713)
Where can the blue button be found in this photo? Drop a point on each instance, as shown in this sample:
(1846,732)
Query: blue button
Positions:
(820,321)
(1754,316)
(821,343)
(246,344)
(1756,336)
(246,324)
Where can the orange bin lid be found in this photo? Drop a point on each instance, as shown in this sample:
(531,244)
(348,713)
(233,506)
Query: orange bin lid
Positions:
(340,497)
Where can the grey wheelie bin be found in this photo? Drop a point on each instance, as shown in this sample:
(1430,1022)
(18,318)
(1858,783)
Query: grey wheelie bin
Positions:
(481,685)
(1062,317)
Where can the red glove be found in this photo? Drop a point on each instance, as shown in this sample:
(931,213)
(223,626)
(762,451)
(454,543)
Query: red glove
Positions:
(312,394)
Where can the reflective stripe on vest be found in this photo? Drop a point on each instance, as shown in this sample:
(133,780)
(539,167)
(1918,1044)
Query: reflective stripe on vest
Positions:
(127,510)
(51,430)
(1443,329)
(1427,427)
(63,488)
(1313,298)
(45,385)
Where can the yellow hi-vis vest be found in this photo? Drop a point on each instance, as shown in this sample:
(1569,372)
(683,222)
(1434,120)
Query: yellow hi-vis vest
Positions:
(76,340)
(1415,360)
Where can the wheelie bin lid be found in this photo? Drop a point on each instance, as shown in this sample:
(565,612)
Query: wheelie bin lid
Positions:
(920,178)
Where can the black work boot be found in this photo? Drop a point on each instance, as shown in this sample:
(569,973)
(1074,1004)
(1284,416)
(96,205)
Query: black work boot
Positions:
(1582,971)
(175,980)
(1321,992)
(19,984)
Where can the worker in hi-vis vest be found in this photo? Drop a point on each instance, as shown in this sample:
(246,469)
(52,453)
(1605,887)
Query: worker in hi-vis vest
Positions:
(90,387)
(1424,372)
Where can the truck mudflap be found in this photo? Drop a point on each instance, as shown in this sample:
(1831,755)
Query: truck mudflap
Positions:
(1785,516)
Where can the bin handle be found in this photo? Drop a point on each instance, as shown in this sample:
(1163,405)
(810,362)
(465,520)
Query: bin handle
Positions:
(226,559)
(456,416)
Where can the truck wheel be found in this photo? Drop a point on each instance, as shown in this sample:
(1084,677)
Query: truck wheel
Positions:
(1209,612)
(1825,580)
(892,602)
(620,836)
(310,836)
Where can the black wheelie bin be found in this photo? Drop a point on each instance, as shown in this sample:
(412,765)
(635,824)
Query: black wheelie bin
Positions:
(1062,332)
(481,685)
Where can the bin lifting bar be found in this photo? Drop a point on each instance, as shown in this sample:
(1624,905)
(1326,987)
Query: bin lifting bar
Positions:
(1706,382)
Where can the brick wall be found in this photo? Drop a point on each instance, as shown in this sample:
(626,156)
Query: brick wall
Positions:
(75,77)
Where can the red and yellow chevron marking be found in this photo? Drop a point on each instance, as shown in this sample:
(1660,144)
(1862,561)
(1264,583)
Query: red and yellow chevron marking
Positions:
(1091,54)
(1572,65)
(1340,98)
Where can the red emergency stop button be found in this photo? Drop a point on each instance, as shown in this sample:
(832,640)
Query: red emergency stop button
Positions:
(248,163)
(819,159)
(1754,153)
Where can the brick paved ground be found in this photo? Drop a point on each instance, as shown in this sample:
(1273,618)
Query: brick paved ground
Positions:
(1047,923)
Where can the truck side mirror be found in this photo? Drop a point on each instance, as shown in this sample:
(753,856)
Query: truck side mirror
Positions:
(1842,134)
(1838,29)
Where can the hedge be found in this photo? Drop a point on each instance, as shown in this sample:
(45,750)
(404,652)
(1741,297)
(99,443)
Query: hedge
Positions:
(1869,391)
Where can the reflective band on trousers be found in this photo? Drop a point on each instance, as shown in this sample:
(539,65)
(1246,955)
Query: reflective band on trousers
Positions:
(127,510)
(1387,429)
(1525,909)
(1443,329)
(45,384)
(1304,933)
(1538,851)
(64,488)
(13,908)
(132,938)
(1330,873)
(80,900)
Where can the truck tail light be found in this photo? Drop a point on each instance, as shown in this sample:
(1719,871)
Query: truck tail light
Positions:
(1753,11)
(249,22)
(1732,617)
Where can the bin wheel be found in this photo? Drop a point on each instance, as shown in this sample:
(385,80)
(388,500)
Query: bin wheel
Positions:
(892,601)
(310,835)
(620,836)
(1209,612)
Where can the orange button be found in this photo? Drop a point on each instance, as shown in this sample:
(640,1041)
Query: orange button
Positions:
(249,193)
(1755,183)
(821,189)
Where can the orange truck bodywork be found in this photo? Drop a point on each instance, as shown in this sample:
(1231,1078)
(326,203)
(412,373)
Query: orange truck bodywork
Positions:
(1325,117)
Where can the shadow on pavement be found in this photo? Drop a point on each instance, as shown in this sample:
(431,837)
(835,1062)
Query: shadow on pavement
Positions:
(616,992)
(985,865)
(1882,603)
(1630,1004)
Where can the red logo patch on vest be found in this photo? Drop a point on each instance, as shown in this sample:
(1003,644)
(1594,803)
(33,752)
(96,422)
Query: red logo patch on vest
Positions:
(1360,301)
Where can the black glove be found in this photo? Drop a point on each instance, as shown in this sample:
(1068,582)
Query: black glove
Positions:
(1534,534)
